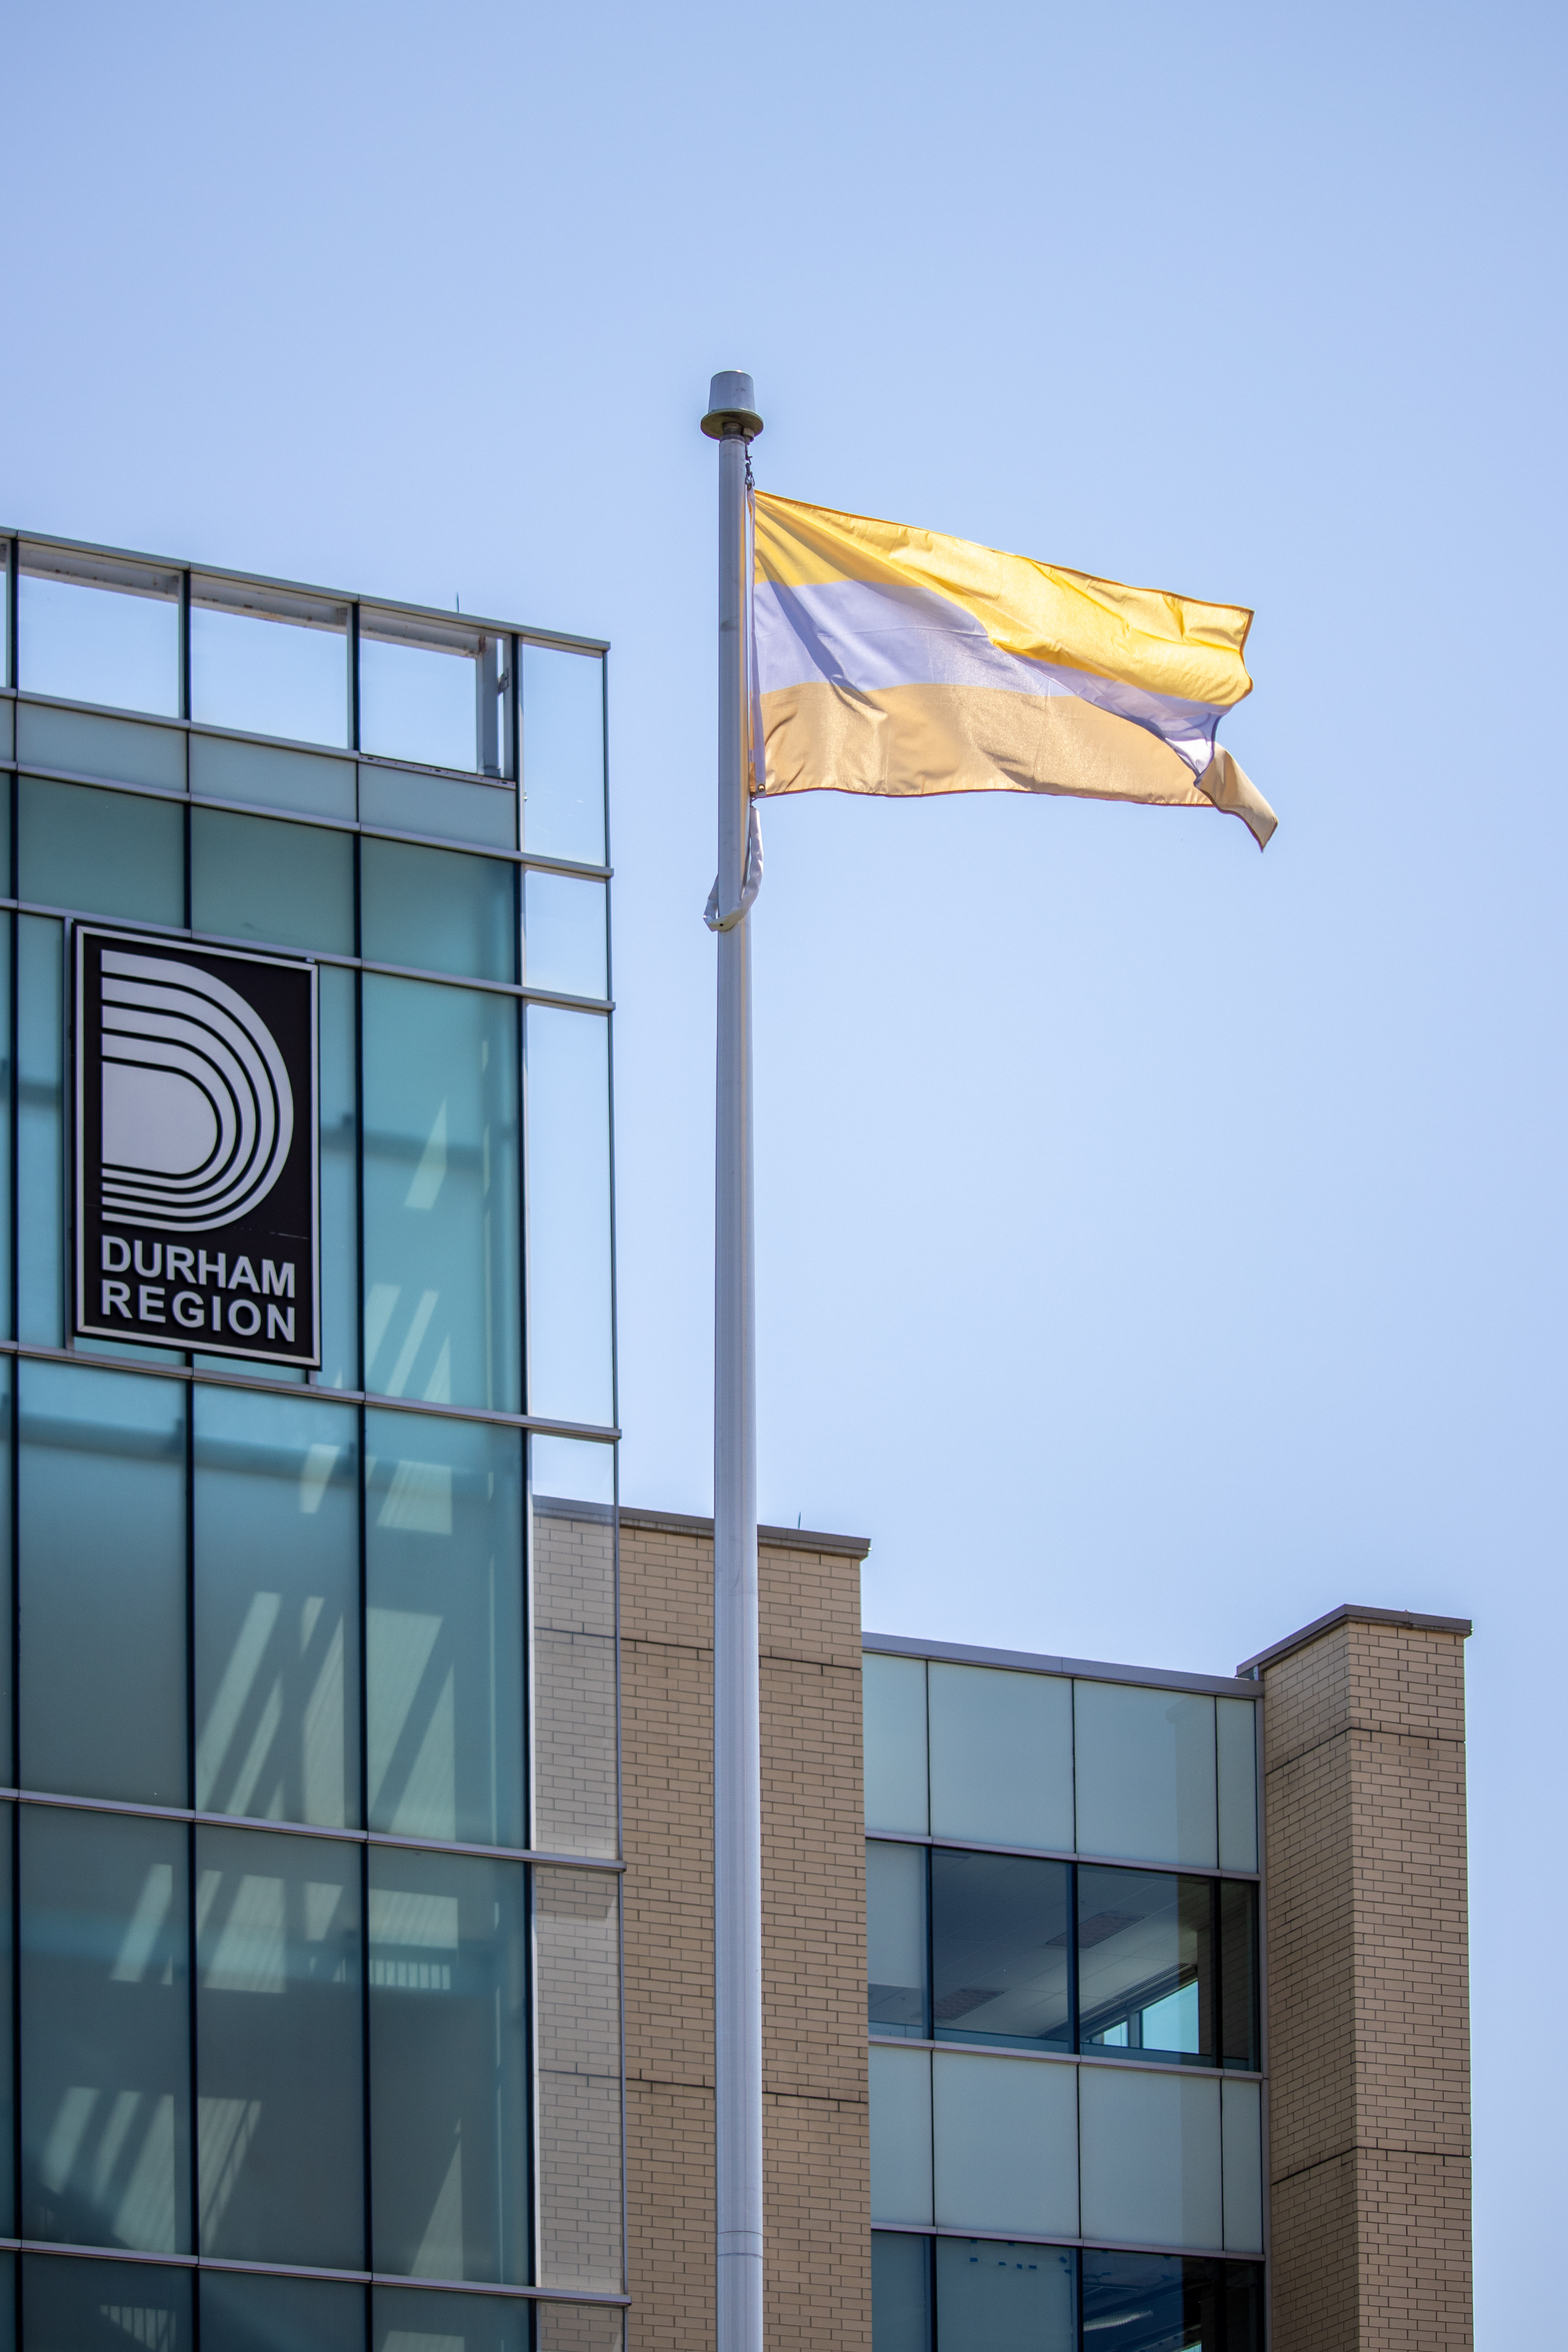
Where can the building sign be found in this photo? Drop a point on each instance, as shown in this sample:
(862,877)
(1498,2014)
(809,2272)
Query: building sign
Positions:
(197,1222)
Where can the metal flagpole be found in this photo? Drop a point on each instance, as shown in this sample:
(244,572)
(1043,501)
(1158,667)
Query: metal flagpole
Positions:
(733,421)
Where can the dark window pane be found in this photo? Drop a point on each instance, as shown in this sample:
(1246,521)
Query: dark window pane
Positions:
(1001,1929)
(441,1194)
(279,2315)
(996,2297)
(102,1584)
(896,1938)
(101,853)
(1144,1978)
(1239,1972)
(1154,2303)
(106,2026)
(276,1608)
(8,2087)
(103,2307)
(437,910)
(288,885)
(5,1116)
(280,2120)
(900,2291)
(412,2319)
(448,2059)
(7,1375)
(444,1642)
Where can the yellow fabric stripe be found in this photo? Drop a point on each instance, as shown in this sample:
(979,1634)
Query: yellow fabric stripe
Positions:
(909,742)
(1167,643)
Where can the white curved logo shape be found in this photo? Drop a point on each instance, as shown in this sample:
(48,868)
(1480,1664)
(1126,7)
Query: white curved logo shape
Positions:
(197,1112)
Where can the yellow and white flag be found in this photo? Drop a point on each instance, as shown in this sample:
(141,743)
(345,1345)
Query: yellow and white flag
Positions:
(899,661)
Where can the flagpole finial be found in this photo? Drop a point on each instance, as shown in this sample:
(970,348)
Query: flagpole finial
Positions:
(731,407)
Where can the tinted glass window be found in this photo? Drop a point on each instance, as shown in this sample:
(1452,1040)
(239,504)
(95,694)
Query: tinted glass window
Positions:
(1150,2303)
(1145,1979)
(1001,1957)
(1239,1973)
(289,884)
(900,2291)
(896,1938)
(996,2297)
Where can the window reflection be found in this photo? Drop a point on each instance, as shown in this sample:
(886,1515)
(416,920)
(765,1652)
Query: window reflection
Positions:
(1159,2302)
(441,1209)
(1145,1977)
(1001,1929)
(105,2019)
(444,1641)
(276,1608)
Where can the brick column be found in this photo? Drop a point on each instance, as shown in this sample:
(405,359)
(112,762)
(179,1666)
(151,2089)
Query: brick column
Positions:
(1368,1989)
(816,2145)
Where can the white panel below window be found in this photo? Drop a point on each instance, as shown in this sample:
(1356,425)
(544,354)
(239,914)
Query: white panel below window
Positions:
(901,2135)
(1005,2132)
(1150,2157)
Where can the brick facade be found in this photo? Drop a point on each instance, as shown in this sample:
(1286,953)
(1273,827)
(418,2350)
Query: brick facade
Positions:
(817,2277)
(1368,1990)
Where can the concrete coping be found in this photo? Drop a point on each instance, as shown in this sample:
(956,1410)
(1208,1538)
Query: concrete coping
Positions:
(1353,1612)
(683,1523)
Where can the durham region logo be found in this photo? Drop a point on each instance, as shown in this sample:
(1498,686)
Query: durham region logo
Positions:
(197,1222)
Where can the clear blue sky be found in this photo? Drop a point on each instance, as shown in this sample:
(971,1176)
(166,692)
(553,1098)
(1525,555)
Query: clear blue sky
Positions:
(1159,1244)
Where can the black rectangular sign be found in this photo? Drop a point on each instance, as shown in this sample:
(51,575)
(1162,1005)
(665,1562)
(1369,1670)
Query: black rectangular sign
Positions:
(197,1217)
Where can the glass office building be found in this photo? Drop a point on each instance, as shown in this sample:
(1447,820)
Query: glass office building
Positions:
(312,1837)
(1066,2010)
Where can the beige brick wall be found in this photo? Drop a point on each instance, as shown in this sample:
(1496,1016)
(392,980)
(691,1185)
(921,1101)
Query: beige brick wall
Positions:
(816,2147)
(1368,1989)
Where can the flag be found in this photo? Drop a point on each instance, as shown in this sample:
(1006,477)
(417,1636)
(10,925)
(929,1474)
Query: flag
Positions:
(898,661)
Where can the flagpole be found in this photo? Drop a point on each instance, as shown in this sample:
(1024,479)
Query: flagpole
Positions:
(731,420)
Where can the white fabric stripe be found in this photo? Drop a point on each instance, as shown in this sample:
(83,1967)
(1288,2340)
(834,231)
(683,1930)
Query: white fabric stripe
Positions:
(867,637)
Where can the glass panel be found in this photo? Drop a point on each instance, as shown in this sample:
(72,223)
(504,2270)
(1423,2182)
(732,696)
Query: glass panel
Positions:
(565,933)
(226,770)
(449,2065)
(280,2118)
(1241,2289)
(567,1468)
(1001,1932)
(578,1980)
(8,2087)
(1145,1773)
(1149,2156)
(292,885)
(97,628)
(444,1641)
(90,746)
(894,1701)
(406,2319)
(578,2327)
(574,1809)
(441,1194)
(411,800)
(7,707)
(1149,2302)
(1001,1756)
(901,2135)
(268,660)
(40,1131)
(1239,2045)
(276,1608)
(1235,1743)
(106,2027)
(1241,2107)
(101,853)
(1144,1977)
(996,2297)
(437,910)
(6,1116)
(339,1084)
(1005,2139)
(5,1660)
(900,2292)
(570,1363)
(563,753)
(242,2314)
(6,786)
(102,1584)
(896,1939)
(103,2307)
(430,691)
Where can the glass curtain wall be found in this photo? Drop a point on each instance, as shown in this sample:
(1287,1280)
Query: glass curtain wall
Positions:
(308,1685)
